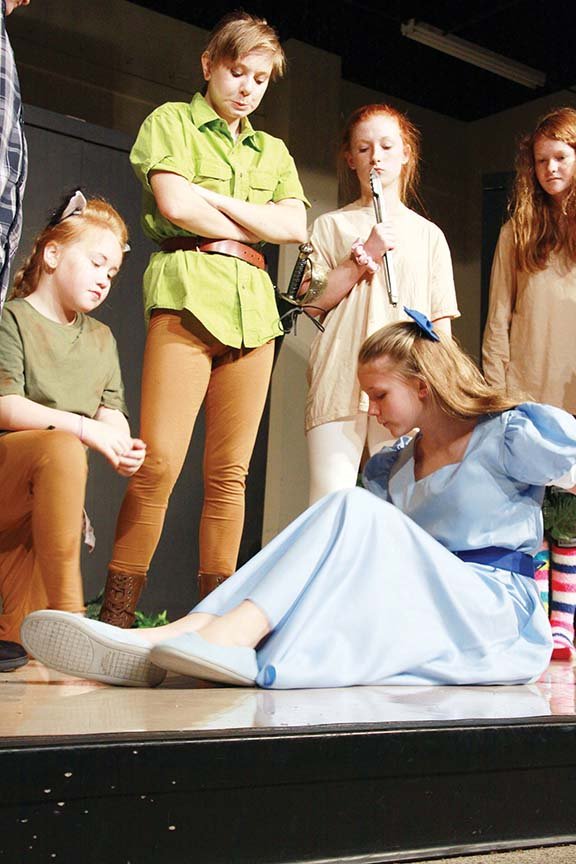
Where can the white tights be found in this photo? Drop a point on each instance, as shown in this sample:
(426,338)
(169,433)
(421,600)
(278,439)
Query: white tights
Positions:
(335,450)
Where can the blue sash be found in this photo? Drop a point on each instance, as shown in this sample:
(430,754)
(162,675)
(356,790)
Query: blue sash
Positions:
(498,556)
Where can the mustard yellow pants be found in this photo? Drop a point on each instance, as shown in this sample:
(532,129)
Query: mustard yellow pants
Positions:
(185,366)
(42,485)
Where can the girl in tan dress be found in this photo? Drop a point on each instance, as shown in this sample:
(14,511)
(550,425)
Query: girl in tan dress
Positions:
(348,284)
(532,319)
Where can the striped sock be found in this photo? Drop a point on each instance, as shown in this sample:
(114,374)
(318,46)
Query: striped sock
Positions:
(563,563)
(542,573)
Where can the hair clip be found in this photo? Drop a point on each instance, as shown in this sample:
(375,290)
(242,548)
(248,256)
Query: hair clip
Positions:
(424,323)
(75,206)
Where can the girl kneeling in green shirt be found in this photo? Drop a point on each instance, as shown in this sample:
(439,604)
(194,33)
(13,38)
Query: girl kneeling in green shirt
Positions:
(60,392)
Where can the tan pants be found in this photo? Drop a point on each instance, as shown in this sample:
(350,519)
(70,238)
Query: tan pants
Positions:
(42,486)
(184,366)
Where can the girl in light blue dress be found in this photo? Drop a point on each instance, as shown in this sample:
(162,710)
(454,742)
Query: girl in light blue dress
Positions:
(424,577)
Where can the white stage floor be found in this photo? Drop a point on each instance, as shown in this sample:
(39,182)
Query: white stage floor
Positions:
(35,701)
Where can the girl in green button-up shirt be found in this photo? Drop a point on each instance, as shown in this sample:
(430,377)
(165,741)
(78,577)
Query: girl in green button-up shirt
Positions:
(206,173)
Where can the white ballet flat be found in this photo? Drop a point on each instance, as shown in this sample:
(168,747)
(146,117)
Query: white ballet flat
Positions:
(192,655)
(89,649)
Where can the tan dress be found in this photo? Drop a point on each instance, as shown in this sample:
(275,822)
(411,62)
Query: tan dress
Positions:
(425,282)
(529,336)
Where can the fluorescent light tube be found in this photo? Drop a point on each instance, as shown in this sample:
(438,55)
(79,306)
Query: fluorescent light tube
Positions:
(474,54)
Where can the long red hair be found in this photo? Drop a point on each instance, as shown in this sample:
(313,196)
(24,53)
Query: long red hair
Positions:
(539,228)
(410,138)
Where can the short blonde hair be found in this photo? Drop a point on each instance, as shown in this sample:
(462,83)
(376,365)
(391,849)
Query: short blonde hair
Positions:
(454,381)
(240,33)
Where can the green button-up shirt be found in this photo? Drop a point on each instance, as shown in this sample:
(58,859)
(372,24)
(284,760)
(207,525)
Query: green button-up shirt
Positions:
(233,299)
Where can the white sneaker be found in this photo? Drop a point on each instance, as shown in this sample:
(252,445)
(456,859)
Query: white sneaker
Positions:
(90,649)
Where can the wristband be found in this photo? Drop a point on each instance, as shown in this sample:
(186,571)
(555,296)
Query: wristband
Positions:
(316,287)
(362,258)
(81,428)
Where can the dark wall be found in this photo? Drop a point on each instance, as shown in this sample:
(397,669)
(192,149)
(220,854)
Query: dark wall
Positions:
(496,189)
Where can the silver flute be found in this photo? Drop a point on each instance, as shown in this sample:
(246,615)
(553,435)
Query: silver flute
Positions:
(387,262)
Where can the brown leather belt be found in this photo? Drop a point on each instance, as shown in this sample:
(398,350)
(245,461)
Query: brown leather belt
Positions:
(221,247)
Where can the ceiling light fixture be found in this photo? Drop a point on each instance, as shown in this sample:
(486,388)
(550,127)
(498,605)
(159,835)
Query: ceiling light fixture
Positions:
(474,54)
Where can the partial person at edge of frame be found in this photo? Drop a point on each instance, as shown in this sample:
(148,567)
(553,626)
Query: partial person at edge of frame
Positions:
(531,325)
(13,152)
(61,392)
(214,189)
(349,283)
(427,578)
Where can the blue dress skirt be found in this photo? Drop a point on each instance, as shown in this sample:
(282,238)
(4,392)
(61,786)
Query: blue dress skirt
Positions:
(363,587)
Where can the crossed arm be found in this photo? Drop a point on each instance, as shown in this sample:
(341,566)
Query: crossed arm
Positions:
(210,214)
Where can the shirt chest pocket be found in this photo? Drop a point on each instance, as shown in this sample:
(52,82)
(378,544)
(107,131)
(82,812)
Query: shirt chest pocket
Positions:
(261,186)
(214,175)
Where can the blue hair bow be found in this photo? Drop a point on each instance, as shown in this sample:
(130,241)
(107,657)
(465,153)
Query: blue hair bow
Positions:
(423,323)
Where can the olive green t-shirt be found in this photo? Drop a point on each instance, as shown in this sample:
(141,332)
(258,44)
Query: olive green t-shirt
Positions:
(234,300)
(71,367)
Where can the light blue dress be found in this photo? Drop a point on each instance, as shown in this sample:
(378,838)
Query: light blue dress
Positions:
(362,588)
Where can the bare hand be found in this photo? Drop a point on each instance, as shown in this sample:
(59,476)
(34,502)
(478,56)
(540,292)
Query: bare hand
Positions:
(382,239)
(107,439)
(131,462)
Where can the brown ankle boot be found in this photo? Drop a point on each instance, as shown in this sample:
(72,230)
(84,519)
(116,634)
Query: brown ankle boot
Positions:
(207,582)
(120,598)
